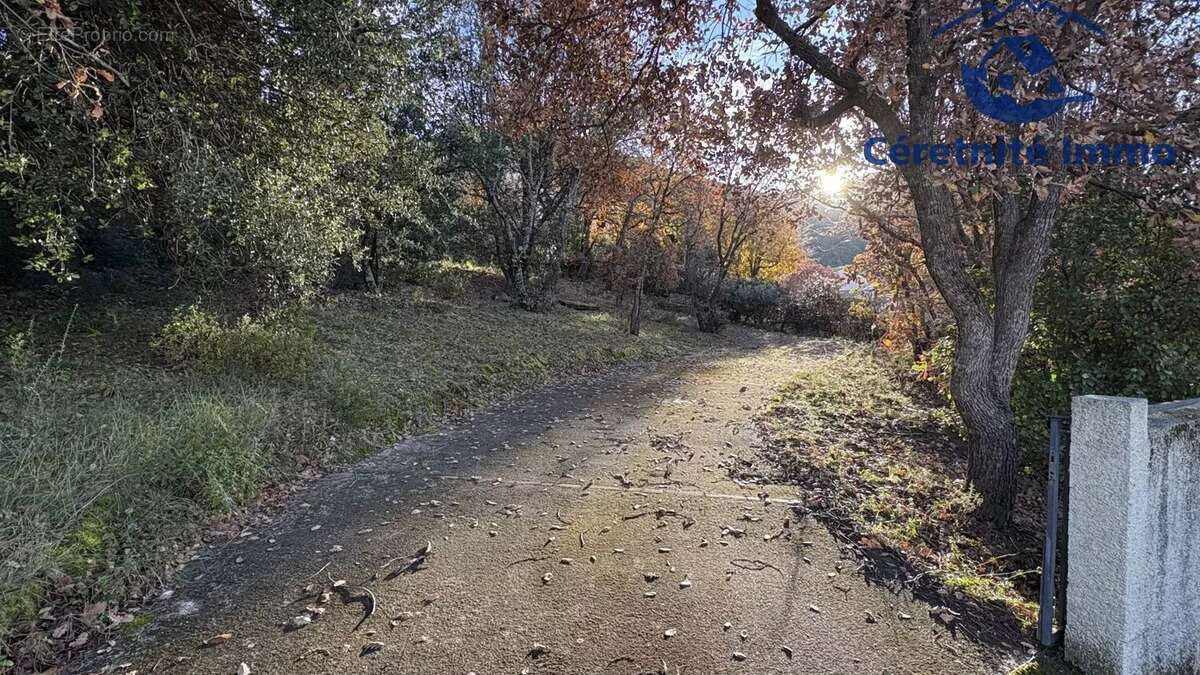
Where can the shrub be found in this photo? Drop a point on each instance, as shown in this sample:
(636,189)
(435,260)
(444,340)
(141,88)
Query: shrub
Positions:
(862,319)
(815,303)
(282,345)
(810,301)
(1114,313)
(753,301)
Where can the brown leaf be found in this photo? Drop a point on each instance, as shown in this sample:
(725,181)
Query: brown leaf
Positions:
(217,639)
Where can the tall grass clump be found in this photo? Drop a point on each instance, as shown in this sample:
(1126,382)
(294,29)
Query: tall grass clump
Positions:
(281,345)
(88,487)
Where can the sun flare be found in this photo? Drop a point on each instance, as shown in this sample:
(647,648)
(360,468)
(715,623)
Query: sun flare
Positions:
(832,183)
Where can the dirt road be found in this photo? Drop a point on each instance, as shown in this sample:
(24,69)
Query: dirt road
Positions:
(590,527)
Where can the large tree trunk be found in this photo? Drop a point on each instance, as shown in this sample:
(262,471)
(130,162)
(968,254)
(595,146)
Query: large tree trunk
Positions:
(982,395)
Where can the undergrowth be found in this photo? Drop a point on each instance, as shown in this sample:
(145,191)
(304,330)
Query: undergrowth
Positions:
(893,464)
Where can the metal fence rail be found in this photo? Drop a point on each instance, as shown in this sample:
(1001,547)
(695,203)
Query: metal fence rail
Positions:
(1053,594)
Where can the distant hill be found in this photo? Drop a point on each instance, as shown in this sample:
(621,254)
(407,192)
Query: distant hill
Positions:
(831,239)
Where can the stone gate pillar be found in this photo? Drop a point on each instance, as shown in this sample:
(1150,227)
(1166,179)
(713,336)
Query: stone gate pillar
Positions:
(1133,557)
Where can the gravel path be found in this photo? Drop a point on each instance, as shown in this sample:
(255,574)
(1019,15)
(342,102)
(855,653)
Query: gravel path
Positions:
(588,527)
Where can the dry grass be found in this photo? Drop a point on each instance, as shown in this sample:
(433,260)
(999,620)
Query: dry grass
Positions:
(892,464)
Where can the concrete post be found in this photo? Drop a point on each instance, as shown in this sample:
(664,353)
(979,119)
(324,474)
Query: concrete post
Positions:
(1133,571)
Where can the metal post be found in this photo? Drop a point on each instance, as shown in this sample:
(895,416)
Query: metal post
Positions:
(1050,550)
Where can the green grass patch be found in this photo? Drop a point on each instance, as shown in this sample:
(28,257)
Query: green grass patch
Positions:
(893,463)
(278,346)
(1047,662)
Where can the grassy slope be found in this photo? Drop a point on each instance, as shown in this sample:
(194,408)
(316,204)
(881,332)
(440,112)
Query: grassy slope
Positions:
(110,456)
(892,465)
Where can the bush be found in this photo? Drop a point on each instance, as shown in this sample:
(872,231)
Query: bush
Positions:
(810,301)
(815,303)
(281,346)
(862,319)
(1114,313)
(753,301)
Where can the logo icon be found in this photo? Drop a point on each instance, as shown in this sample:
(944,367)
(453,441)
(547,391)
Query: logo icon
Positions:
(1027,53)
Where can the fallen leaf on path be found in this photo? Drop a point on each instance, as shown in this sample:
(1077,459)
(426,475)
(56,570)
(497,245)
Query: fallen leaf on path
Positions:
(305,655)
(217,639)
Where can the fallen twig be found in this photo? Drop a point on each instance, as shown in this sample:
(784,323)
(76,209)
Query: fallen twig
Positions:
(318,650)
(525,560)
(619,659)
(754,565)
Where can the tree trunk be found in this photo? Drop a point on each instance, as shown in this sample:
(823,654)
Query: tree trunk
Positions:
(982,395)
(635,312)
(516,273)
(372,264)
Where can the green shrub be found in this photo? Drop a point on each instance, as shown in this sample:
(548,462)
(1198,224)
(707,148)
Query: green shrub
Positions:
(280,346)
(1114,313)
(449,283)
(753,301)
